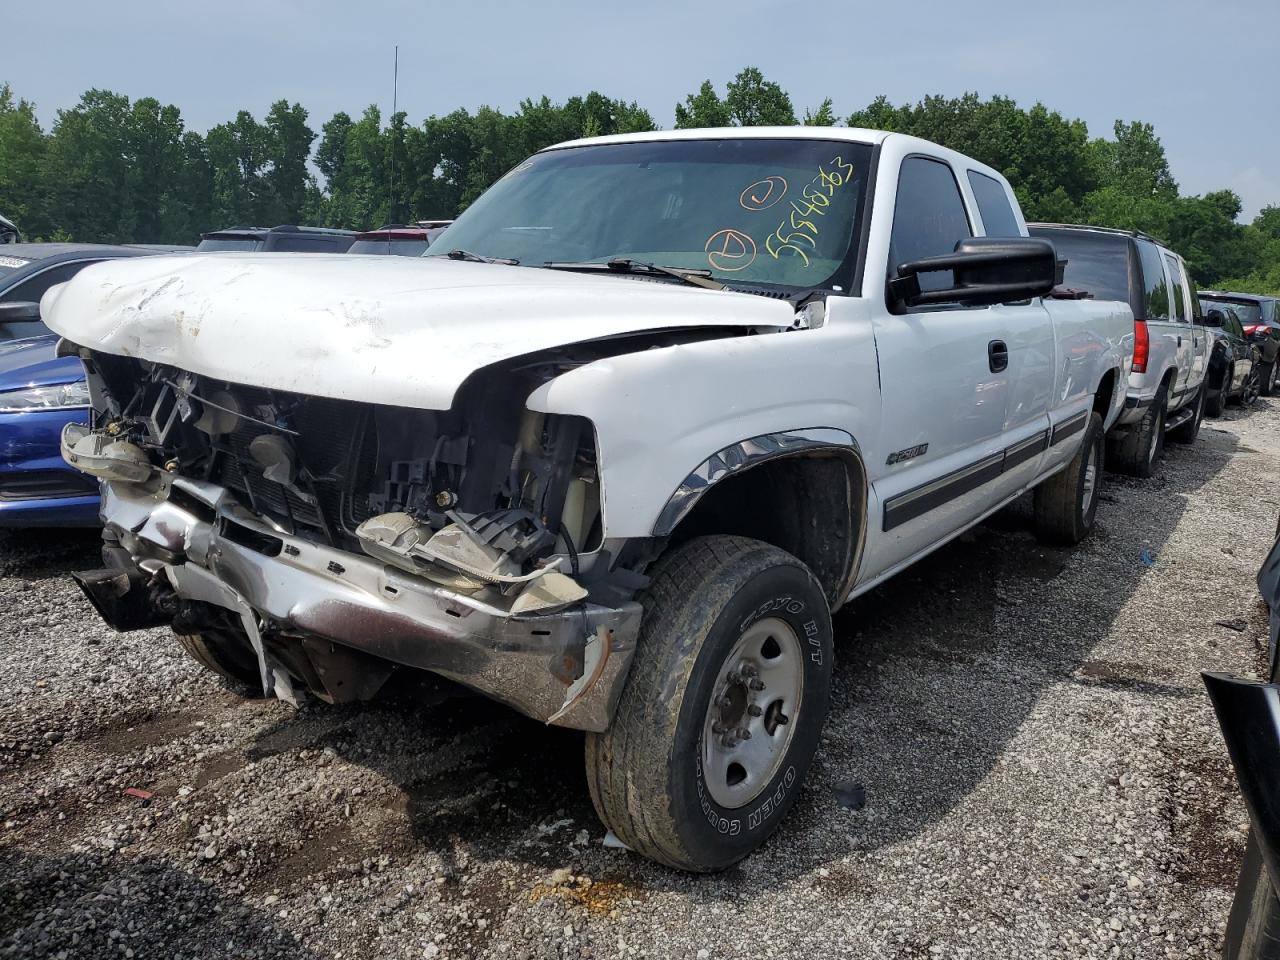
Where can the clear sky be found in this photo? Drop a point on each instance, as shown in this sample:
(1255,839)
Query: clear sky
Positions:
(1204,73)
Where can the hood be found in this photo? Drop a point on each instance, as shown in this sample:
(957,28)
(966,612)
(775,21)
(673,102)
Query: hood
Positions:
(392,330)
(32,363)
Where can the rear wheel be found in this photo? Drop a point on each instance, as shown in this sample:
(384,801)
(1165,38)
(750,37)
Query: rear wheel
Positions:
(1269,373)
(724,706)
(1137,451)
(1066,503)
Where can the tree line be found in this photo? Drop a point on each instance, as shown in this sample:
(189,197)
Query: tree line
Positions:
(112,170)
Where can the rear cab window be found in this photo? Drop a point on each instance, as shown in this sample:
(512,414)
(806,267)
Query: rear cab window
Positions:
(929,219)
(1155,286)
(998,219)
(1177,306)
(1096,262)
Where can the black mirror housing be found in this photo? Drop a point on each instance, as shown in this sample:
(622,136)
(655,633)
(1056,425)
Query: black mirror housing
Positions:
(1213,318)
(985,271)
(19,311)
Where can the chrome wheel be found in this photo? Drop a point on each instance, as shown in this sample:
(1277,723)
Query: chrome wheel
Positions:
(1091,476)
(749,720)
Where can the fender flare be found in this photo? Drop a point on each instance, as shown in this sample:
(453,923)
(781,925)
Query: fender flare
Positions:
(739,457)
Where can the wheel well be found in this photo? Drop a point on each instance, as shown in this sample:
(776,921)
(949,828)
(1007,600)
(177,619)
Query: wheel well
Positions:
(1167,380)
(812,505)
(1106,394)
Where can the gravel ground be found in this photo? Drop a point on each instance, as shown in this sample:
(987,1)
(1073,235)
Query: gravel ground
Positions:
(1043,775)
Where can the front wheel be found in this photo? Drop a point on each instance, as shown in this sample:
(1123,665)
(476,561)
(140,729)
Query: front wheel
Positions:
(722,712)
(227,653)
(1216,402)
(1066,503)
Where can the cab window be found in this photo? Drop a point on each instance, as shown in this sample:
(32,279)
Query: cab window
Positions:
(1155,305)
(929,219)
(998,219)
(1177,309)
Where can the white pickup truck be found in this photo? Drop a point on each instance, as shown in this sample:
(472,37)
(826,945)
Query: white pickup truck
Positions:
(611,453)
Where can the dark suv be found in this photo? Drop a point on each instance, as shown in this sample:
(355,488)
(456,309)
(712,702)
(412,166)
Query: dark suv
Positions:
(1260,318)
(282,239)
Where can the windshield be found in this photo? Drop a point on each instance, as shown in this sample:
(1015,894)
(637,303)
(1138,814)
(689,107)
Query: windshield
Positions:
(229,243)
(1249,311)
(396,248)
(752,211)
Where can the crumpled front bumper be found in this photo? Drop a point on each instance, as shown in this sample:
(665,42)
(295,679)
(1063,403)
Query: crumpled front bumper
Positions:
(565,668)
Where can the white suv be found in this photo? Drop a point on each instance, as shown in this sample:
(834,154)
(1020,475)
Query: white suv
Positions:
(1171,347)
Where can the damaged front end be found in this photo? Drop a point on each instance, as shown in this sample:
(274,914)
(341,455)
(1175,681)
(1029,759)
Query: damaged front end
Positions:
(338,538)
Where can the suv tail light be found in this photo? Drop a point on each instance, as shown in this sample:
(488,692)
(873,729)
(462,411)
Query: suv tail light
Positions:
(1255,329)
(1141,346)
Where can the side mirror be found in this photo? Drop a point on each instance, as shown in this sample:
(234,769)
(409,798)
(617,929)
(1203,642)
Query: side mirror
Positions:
(985,271)
(1214,318)
(19,311)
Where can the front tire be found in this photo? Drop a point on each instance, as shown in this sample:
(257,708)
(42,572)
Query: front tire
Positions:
(1066,503)
(1268,379)
(1216,402)
(736,638)
(1249,391)
(1136,452)
(226,654)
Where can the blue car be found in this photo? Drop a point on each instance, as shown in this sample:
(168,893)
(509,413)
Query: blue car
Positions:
(41,392)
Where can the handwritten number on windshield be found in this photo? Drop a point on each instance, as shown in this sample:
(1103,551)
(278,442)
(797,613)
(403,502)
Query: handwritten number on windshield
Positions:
(800,228)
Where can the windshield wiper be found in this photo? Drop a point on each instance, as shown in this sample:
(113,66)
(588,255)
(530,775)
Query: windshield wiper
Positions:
(476,258)
(699,278)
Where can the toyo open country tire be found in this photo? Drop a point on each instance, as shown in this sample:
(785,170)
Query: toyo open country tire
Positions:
(1187,432)
(1066,503)
(715,606)
(1136,451)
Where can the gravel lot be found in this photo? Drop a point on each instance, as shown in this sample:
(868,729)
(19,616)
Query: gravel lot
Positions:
(1043,774)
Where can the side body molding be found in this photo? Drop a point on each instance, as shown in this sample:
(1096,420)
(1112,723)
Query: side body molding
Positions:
(741,456)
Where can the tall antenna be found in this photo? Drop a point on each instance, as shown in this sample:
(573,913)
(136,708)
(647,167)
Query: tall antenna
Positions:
(391,188)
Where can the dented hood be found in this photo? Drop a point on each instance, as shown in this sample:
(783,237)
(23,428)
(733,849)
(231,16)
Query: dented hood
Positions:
(391,330)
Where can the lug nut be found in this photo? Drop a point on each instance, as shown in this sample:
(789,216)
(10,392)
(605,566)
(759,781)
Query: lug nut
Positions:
(744,733)
(748,670)
(756,685)
(718,727)
(724,703)
(754,710)
(734,677)
(729,743)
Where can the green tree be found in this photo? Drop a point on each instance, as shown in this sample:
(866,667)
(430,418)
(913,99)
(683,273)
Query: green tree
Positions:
(22,160)
(702,109)
(87,175)
(287,145)
(753,101)
(824,116)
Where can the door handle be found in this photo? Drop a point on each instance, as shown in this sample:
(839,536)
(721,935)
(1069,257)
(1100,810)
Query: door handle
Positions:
(1179,339)
(997,355)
